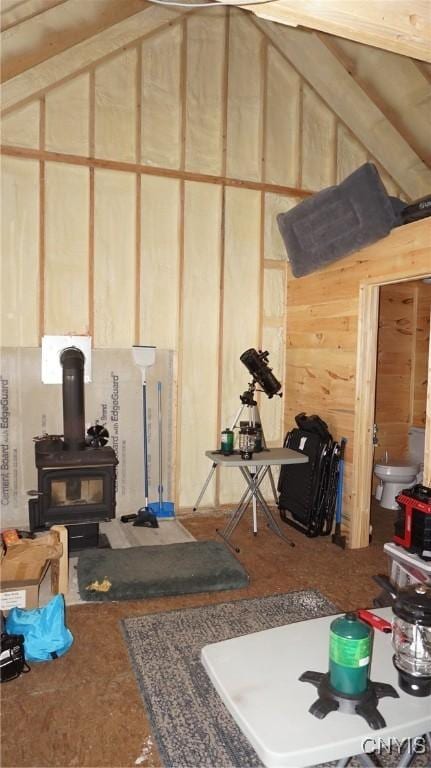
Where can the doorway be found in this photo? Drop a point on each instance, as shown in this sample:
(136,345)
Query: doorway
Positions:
(401,382)
(363,458)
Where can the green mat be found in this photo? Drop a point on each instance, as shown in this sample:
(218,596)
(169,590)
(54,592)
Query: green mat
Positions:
(170,569)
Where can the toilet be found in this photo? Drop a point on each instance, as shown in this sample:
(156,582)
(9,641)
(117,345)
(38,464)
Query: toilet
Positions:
(396,474)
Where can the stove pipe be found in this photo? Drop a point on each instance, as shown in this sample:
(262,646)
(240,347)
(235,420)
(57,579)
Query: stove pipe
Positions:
(72,362)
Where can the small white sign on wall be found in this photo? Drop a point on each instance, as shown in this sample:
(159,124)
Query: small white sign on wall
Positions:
(52,347)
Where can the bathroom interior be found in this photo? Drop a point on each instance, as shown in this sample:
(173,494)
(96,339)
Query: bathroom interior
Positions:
(401,393)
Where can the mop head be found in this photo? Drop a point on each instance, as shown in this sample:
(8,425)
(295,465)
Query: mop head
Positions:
(164,509)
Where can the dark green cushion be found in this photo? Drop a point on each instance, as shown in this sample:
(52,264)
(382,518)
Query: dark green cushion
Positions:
(169,569)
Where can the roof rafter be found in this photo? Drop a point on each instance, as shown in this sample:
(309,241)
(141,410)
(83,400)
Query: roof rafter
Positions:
(16,13)
(77,58)
(331,44)
(345,97)
(60,26)
(401,26)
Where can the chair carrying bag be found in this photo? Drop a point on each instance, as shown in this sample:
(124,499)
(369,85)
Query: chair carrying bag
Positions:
(306,491)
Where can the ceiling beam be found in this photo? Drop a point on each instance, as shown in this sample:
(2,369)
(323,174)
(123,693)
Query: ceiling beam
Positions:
(391,65)
(76,59)
(13,12)
(345,97)
(401,26)
(44,35)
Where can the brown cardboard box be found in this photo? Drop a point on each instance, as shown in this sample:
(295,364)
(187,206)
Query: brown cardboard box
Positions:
(20,584)
(46,547)
(24,565)
(23,568)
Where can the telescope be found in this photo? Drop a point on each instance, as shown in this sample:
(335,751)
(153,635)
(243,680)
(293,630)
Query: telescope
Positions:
(257,364)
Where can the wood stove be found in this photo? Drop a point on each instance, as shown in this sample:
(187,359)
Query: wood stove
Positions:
(76,476)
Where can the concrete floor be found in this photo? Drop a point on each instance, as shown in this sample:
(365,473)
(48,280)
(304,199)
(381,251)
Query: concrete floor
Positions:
(85,709)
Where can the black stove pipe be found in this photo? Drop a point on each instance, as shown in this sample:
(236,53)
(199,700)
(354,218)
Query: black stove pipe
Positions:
(72,362)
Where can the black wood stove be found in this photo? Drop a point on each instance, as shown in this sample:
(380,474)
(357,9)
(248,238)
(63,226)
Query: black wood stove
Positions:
(76,474)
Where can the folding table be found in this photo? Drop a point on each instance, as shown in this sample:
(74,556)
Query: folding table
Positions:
(257,678)
(254,471)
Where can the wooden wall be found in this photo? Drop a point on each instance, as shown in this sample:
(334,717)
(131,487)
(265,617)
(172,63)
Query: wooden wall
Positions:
(394,369)
(402,362)
(421,354)
(323,358)
(142,173)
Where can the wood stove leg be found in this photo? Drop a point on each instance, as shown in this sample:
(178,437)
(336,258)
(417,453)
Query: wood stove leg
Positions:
(60,567)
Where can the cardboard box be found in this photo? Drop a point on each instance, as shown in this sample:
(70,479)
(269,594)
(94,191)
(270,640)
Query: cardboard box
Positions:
(23,568)
(20,585)
(45,547)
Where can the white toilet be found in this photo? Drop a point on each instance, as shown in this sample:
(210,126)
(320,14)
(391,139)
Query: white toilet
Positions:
(396,474)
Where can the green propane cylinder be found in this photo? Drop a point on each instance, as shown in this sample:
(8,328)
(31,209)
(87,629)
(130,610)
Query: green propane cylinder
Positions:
(350,643)
(227,441)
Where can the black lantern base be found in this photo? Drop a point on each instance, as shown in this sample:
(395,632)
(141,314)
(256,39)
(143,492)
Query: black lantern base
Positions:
(365,705)
(415,686)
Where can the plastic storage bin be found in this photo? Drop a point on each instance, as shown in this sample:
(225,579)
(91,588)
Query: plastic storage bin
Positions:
(406,568)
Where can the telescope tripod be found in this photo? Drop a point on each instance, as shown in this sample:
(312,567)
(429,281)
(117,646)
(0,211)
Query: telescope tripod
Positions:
(247,401)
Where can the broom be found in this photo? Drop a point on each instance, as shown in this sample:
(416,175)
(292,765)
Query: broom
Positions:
(161,508)
(144,517)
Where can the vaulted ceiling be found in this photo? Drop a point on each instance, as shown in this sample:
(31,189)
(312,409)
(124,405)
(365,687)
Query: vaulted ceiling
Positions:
(382,96)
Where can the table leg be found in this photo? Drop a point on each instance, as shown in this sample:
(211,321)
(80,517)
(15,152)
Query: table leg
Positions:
(254,482)
(363,759)
(254,505)
(248,494)
(407,757)
(205,486)
(230,526)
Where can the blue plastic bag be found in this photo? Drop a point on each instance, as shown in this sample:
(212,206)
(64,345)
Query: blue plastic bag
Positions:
(45,634)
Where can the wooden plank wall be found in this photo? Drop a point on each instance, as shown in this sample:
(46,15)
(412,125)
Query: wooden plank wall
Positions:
(322,356)
(421,355)
(142,174)
(395,368)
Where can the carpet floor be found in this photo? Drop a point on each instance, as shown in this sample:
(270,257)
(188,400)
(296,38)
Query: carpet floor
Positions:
(191,724)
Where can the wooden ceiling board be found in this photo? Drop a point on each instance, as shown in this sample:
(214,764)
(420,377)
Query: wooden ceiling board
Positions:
(402,26)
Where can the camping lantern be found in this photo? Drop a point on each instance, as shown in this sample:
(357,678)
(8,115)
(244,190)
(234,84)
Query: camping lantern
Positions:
(411,639)
(247,442)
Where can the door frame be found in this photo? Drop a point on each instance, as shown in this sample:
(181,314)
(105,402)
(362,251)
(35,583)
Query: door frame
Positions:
(366,368)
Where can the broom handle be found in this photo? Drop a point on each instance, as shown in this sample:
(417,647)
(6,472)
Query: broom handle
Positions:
(339,501)
(144,408)
(159,410)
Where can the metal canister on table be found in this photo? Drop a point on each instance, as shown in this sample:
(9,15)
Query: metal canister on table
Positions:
(226,446)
